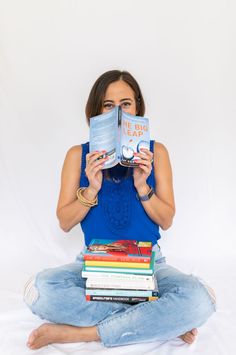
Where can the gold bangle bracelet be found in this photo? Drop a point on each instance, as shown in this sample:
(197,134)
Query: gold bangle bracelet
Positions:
(79,192)
(85,201)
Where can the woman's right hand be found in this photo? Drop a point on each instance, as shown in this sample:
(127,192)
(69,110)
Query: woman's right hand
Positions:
(93,169)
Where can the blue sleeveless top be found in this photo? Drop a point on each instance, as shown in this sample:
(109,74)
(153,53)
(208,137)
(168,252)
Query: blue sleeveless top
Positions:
(119,214)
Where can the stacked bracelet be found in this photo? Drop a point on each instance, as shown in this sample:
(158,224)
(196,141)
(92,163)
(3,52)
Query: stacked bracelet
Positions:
(84,200)
(147,196)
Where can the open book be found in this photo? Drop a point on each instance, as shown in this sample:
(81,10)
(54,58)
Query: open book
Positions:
(120,134)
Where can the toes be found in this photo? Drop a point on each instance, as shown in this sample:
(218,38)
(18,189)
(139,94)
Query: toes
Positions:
(188,341)
(189,338)
(38,343)
(32,337)
(194,331)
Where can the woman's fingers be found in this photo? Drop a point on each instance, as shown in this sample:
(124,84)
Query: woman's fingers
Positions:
(145,161)
(94,163)
(93,156)
(144,167)
(145,155)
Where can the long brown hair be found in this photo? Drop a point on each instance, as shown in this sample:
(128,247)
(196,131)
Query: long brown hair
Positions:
(95,100)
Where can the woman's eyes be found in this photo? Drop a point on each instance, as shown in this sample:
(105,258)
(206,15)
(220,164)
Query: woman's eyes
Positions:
(124,104)
(108,106)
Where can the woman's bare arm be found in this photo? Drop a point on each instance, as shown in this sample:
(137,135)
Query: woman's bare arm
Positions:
(69,210)
(161,207)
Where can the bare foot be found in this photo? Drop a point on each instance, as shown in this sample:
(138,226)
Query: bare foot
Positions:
(49,333)
(190,336)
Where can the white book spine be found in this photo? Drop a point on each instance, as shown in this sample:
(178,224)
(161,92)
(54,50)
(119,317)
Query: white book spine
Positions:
(116,276)
(120,284)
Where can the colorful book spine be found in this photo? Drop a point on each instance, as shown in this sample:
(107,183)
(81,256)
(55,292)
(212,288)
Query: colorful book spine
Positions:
(129,293)
(117,264)
(128,259)
(120,299)
(118,270)
(123,270)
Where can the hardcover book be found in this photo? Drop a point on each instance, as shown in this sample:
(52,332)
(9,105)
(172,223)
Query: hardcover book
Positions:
(120,134)
(118,251)
(114,292)
(121,284)
(125,299)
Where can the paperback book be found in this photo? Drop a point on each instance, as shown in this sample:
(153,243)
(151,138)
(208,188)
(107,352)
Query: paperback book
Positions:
(121,135)
(116,264)
(116,276)
(126,270)
(119,251)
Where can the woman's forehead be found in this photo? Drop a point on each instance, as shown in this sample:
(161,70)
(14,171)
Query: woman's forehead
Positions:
(119,90)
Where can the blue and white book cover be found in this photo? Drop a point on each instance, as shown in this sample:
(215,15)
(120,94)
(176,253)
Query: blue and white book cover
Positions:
(134,136)
(104,136)
(121,135)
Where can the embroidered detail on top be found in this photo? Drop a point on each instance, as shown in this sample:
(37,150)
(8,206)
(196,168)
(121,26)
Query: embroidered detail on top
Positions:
(116,205)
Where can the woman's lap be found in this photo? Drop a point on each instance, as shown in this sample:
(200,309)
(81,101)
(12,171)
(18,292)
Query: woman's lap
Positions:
(184,303)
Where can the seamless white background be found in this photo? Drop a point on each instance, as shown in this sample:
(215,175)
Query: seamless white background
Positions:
(183,55)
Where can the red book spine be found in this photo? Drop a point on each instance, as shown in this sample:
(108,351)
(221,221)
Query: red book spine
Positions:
(120,258)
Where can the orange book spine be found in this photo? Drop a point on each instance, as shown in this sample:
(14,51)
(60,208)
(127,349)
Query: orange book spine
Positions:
(117,258)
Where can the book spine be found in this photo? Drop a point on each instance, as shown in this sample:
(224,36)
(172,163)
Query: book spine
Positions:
(118,270)
(117,264)
(116,276)
(120,299)
(121,285)
(126,258)
(133,293)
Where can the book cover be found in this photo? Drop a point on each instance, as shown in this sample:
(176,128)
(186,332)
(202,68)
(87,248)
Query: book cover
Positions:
(125,270)
(124,299)
(120,134)
(119,250)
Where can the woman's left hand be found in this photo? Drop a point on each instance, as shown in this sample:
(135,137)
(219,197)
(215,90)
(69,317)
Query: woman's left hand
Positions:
(144,169)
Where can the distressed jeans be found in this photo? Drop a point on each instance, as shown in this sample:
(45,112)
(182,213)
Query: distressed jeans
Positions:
(58,295)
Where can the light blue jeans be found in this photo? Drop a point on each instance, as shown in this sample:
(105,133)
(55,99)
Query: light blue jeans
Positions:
(58,295)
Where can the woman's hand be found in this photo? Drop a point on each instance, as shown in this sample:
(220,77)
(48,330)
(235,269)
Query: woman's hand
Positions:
(144,169)
(93,169)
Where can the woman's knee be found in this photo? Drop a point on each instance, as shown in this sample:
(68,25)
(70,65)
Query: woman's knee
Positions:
(35,283)
(197,300)
(30,291)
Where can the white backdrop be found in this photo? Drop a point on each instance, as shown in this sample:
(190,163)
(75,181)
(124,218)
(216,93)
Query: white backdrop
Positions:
(183,55)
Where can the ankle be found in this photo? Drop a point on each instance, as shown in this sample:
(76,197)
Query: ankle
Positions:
(89,334)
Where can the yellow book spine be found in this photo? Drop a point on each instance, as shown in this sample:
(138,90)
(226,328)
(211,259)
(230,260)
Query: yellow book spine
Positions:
(117,264)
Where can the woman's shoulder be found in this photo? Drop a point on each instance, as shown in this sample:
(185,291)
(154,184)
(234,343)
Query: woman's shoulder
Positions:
(74,151)
(74,154)
(160,150)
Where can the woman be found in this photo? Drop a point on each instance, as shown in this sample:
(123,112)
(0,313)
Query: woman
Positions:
(108,206)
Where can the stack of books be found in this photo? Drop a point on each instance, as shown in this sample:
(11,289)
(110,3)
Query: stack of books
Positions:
(119,271)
